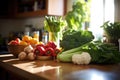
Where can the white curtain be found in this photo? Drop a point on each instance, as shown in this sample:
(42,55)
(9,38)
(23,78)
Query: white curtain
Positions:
(101,11)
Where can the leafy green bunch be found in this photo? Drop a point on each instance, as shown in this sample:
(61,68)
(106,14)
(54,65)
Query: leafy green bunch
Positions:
(54,23)
(102,53)
(112,30)
(72,39)
(80,13)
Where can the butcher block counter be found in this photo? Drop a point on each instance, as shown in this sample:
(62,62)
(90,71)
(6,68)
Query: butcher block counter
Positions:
(13,69)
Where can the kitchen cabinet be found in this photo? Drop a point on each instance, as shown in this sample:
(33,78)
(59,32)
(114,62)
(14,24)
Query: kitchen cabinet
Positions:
(35,8)
(6,8)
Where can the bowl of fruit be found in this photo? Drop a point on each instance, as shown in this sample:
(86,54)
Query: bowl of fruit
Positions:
(16,46)
(16,49)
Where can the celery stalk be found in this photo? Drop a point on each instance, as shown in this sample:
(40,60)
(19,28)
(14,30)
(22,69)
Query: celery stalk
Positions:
(66,56)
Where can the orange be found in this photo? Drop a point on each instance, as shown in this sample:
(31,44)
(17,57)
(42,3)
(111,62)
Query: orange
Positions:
(26,38)
(23,43)
(33,41)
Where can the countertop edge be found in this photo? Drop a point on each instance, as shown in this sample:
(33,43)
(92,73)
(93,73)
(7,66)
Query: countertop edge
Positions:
(20,72)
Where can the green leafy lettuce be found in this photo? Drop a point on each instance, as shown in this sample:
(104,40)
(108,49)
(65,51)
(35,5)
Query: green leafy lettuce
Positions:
(72,39)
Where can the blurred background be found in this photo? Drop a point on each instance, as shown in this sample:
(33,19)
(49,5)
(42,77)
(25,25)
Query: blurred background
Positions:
(17,17)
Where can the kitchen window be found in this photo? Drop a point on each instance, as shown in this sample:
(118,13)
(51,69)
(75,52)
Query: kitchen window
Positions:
(101,11)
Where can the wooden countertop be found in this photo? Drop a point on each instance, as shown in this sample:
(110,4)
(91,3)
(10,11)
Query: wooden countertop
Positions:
(52,70)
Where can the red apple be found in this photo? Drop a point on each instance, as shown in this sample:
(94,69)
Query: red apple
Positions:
(13,42)
(18,40)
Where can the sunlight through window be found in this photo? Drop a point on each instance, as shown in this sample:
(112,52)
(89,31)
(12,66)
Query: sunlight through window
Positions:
(101,11)
(109,10)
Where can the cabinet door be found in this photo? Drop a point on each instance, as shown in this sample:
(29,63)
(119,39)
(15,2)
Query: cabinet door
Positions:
(4,4)
(30,8)
(36,8)
(6,8)
(56,7)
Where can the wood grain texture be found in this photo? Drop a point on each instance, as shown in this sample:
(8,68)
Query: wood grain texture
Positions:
(52,70)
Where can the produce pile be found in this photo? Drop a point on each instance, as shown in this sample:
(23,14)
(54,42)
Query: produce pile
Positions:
(26,40)
(91,52)
(88,51)
(42,50)
(35,48)
(79,46)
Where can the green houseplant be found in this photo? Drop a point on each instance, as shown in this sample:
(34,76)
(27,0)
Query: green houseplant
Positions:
(112,31)
(79,14)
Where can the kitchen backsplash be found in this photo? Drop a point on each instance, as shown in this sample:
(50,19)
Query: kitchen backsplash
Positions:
(17,25)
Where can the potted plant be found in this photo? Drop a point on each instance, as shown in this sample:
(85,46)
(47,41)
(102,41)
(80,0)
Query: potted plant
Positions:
(112,31)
